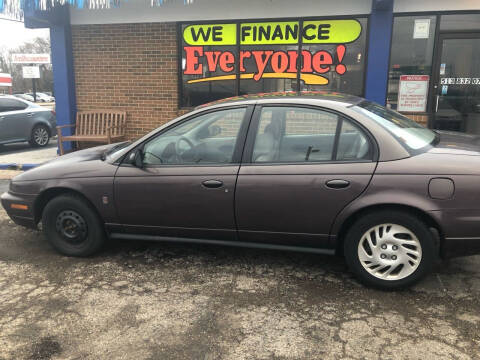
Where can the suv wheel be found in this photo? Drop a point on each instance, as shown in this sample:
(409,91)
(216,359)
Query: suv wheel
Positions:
(389,250)
(40,136)
(72,226)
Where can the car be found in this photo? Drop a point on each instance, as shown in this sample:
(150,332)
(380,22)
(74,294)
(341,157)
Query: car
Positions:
(42,97)
(323,173)
(21,120)
(24,97)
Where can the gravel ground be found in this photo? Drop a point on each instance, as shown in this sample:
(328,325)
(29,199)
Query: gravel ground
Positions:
(139,300)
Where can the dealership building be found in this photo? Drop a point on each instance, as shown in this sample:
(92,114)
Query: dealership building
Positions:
(157,61)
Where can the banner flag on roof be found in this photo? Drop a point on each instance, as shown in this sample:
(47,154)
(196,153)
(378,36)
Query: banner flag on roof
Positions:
(14,8)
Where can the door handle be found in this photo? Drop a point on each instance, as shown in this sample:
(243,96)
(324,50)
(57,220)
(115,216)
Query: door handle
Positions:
(30,114)
(212,183)
(337,184)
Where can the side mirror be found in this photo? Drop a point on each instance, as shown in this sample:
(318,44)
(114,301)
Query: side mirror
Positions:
(136,158)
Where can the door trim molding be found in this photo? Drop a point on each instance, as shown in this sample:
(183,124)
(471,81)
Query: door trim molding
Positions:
(121,236)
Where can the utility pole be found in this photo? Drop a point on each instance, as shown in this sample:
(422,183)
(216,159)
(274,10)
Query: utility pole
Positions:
(34,89)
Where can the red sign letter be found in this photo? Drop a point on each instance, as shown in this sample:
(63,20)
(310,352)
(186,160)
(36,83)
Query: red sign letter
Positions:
(226,61)
(261,64)
(192,67)
(279,62)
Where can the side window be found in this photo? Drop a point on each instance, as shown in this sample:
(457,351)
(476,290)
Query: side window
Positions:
(3,106)
(17,105)
(353,144)
(295,134)
(205,139)
(290,134)
(11,105)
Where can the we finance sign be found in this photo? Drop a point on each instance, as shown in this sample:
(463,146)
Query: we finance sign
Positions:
(281,63)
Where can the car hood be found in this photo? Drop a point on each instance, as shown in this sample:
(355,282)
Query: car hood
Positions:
(455,143)
(83,163)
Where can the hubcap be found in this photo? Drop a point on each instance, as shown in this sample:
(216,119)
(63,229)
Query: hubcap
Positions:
(71,226)
(40,136)
(389,252)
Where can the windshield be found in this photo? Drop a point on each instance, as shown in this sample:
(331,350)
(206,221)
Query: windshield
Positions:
(115,149)
(412,135)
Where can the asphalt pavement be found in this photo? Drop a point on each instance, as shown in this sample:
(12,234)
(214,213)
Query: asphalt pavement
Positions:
(24,153)
(138,300)
(3,186)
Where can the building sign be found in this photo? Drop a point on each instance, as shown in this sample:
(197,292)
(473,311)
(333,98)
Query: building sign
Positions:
(5,79)
(31,58)
(200,61)
(31,72)
(412,93)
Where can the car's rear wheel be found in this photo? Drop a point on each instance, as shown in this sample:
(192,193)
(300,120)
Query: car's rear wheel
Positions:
(40,136)
(72,226)
(389,250)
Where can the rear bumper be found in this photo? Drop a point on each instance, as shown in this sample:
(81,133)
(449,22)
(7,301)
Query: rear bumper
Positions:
(454,247)
(460,231)
(24,217)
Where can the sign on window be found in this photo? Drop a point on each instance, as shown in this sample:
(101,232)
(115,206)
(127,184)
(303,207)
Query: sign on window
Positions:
(412,93)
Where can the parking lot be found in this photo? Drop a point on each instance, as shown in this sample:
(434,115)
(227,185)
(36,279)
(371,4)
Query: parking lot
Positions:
(23,153)
(163,301)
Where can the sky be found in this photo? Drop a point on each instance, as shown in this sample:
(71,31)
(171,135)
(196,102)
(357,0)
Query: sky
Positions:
(13,34)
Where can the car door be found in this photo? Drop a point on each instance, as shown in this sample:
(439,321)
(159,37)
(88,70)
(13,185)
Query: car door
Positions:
(4,136)
(185,187)
(301,166)
(13,120)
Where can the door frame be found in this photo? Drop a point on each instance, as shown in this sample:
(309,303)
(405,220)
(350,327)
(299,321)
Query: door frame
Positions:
(437,56)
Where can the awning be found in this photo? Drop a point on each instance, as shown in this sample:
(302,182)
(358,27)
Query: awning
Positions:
(5,79)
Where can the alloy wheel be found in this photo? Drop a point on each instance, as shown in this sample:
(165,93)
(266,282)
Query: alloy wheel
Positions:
(40,136)
(389,252)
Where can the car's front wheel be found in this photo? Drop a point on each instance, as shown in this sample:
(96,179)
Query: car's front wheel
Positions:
(40,136)
(72,226)
(389,250)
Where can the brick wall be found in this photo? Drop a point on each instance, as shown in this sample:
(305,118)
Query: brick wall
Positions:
(132,67)
(422,119)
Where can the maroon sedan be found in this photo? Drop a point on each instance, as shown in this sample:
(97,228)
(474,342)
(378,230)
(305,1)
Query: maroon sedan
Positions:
(320,173)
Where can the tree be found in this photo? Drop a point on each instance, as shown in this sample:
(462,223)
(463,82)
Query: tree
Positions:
(20,85)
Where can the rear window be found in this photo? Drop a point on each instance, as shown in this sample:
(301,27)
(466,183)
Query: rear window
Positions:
(410,134)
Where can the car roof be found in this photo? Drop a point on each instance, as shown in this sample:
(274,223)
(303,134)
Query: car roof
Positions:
(312,97)
(18,99)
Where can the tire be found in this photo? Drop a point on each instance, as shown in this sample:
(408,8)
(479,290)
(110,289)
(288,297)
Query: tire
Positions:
(72,226)
(384,261)
(40,136)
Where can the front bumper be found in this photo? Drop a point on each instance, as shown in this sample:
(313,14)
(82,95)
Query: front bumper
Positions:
(24,217)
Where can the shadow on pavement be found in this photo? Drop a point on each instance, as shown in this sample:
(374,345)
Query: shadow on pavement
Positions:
(24,147)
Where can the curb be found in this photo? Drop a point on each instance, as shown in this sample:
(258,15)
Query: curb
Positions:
(14,166)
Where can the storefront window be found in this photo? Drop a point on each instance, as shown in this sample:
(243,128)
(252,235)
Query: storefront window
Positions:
(351,81)
(411,60)
(222,60)
(279,53)
(460,22)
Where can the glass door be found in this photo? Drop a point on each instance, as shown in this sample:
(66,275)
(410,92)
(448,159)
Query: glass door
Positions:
(456,104)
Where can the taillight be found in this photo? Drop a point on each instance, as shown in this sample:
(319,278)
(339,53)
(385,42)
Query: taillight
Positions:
(53,112)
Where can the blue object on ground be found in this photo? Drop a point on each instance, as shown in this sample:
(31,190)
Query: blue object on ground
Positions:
(23,167)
